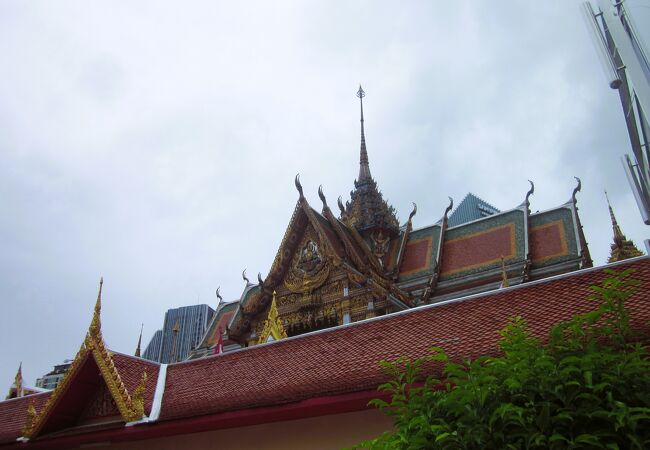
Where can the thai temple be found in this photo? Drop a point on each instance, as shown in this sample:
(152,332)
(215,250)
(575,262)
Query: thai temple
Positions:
(337,268)
(293,362)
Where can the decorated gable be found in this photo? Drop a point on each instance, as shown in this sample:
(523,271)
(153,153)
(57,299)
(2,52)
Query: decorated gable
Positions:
(307,277)
(312,283)
(93,390)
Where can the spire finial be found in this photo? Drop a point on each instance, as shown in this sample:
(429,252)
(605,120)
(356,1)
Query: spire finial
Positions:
(617,230)
(96,324)
(18,382)
(622,248)
(364,169)
(137,349)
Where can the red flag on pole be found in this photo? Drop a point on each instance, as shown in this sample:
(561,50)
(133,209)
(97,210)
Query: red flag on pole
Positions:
(218,349)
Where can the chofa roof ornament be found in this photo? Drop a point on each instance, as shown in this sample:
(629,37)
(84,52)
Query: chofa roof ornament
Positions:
(413,212)
(298,185)
(529,193)
(451,205)
(576,190)
(322,196)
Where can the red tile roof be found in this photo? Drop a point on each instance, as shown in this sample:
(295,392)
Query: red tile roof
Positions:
(13,415)
(130,369)
(344,359)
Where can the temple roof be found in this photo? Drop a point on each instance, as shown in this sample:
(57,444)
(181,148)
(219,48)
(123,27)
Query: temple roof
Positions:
(344,359)
(622,248)
(367,209)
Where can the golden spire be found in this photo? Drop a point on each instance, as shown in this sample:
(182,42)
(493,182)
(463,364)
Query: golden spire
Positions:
(96,324)
(137,349)
(18,384)
(622,248)
(504,275)
(19,380)
(273,329)
(364,166)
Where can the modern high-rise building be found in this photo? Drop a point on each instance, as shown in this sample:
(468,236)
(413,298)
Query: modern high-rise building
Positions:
(624,59)
(51,379)
(182,330)
(152,352)
(470,209)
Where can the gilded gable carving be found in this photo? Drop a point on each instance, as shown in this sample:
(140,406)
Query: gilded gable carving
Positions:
(309,267)
(102,405)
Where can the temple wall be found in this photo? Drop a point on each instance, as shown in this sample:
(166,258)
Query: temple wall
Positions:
(324,432)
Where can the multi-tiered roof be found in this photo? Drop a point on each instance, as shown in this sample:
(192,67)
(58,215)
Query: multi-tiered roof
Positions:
(331,270)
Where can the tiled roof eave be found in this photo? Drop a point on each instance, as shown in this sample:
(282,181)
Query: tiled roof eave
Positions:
(416,309)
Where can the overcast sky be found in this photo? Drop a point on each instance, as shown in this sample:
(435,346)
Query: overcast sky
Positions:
(155,143)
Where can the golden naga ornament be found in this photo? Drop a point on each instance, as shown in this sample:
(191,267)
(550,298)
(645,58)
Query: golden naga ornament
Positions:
(31,418)
(273,329)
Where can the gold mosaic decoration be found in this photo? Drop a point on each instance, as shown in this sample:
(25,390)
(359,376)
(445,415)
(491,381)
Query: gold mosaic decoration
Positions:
(309,267)
(31,418)
(130,408)
(272,325)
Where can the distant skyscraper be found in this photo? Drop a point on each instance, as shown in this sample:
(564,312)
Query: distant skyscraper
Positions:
(471,208)
(182,330)
(152,352)
(53,378)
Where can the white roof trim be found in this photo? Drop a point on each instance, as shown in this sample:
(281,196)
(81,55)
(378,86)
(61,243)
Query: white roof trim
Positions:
(158,395)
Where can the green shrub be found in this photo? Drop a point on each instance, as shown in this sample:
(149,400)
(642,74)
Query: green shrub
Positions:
(588,387)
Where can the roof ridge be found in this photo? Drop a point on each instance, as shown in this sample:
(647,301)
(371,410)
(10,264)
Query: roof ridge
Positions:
(138,358)
(26,397)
